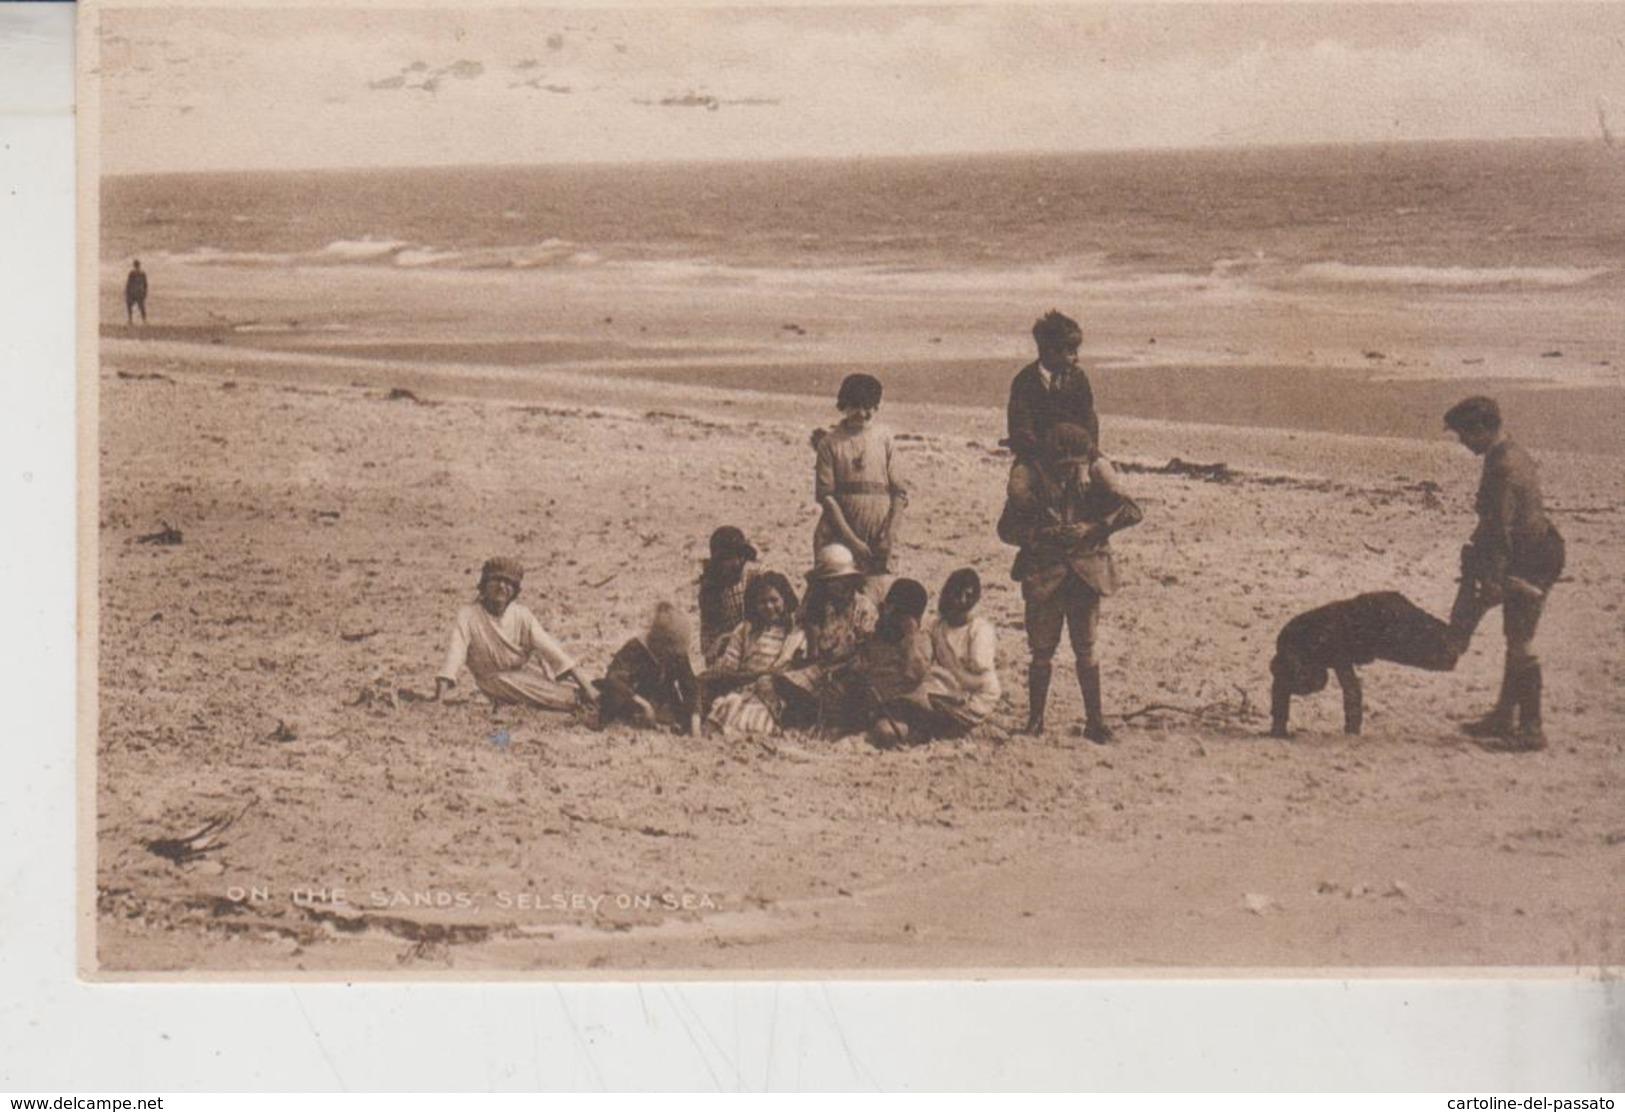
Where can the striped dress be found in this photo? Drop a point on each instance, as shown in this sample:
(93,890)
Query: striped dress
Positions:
(752,652)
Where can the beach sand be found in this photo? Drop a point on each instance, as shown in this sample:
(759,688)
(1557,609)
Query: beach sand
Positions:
(328,534)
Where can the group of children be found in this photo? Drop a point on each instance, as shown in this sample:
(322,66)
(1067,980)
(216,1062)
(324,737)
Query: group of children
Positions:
(858,654)
(836,663)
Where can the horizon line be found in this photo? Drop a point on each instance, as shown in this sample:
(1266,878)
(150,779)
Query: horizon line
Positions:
(1205,148)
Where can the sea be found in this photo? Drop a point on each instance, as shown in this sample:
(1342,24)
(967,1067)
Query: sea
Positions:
(1536,214)
(1252,243)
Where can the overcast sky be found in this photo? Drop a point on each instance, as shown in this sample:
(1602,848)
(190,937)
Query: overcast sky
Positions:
(220,89)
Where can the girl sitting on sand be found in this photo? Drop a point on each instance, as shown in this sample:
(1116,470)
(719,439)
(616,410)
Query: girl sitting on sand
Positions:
(858,484)
(885,676)
(766,642)
(836,619)
(512,658)
(650,681)
(964,684)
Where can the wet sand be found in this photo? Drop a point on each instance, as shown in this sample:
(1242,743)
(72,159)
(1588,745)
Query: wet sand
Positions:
(1364,363)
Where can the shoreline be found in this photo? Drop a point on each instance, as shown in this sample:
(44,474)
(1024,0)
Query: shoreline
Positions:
(1545,416)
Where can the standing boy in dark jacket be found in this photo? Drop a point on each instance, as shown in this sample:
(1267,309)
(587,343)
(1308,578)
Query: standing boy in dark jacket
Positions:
(1512,561)
(1052,390)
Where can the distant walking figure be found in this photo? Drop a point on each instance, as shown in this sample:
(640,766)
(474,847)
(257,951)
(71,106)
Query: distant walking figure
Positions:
(135,293)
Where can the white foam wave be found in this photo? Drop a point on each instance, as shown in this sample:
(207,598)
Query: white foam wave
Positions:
(213,256)
(1449,276)
(1076,276)
(401,253)
(425,256)
(361,250)
(549,252)
(287,327)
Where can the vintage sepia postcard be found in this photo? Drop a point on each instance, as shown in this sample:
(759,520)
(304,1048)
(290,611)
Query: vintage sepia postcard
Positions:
(691,491)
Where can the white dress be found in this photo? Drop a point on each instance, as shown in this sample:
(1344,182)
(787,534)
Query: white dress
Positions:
(512,658)
(964,670)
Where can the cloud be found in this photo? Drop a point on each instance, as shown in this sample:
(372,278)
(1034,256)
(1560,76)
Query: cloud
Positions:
(274,87)
(463,69)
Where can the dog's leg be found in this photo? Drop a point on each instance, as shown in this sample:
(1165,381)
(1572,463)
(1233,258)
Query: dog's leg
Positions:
(1353,705)
(1280,709)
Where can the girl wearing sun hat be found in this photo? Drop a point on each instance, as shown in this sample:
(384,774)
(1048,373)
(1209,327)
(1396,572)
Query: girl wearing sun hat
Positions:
(836,619)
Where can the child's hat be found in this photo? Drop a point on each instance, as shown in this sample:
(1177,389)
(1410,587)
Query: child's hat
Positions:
(730,540)
(835,561)
(503,567)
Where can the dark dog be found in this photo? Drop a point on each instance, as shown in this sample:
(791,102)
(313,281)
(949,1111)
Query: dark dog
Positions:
(1340,635)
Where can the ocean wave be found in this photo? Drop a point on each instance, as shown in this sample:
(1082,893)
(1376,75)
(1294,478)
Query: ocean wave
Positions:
(528,256)
(425,256)
(360,250)
(213,256)
(933,278)
(291,326)
(1449,276)
(401,253)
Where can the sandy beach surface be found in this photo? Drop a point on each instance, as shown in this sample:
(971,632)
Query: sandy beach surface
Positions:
(265,667)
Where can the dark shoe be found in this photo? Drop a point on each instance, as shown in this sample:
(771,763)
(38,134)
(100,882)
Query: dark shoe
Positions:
(1037,695)
(1496,724)
(1099,733)
(1528,739)
(1520,741)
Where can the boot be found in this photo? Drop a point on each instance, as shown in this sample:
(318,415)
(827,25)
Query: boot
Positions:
(1530,736)
(1498,722)
(1094,723)
(1465,614)
(1037,695)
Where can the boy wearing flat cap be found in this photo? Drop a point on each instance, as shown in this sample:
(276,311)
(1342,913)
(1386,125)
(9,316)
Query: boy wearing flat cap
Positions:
(1514,558)
(1063,526)
(512,658)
